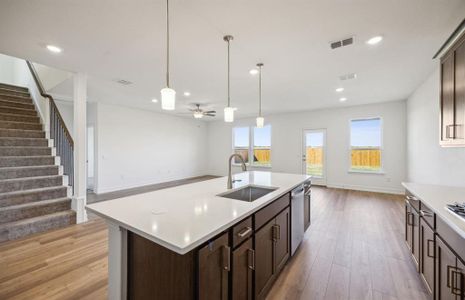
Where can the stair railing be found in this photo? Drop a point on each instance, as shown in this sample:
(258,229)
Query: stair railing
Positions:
(62,140)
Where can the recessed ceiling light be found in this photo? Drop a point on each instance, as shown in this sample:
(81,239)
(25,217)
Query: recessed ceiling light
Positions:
(253,72)
(341,89)
(187,94)
(343,99)
(375,40)
(155,100)
(54,49)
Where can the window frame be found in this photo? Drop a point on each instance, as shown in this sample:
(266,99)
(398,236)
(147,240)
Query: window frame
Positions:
(251,146)
(381,147)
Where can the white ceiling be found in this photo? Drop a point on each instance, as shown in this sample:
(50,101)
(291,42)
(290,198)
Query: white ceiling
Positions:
(113,39)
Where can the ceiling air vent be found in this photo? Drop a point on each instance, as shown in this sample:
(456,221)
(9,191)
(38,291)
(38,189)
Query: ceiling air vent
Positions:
(123,82)
(348,76)
(342,43)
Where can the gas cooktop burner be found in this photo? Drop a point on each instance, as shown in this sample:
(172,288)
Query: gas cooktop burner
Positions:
(458,208)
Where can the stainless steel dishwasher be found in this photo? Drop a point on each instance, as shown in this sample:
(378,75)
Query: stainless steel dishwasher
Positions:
(297,217)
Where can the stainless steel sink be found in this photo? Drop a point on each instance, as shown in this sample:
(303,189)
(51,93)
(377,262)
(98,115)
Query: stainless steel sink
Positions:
(248,193)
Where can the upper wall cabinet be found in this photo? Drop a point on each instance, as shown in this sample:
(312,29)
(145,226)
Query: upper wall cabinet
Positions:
(452,97)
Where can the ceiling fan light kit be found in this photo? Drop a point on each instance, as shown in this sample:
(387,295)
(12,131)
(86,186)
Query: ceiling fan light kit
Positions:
(168,95)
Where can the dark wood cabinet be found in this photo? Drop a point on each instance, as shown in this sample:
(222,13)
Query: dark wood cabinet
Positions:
(446,263)
(452,95)
(214,266)
(412,220)
(408,226)
(242,270)
(272,249)
(427,242)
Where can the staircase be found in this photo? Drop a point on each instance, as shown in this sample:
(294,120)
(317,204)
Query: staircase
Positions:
(34,196)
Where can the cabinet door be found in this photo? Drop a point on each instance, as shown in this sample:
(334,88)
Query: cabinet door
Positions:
(243,264)
(307,212)
(445,264)
(447,97)
(416,237)
(427,254)
(214,267)
(282,239)
(459,283)
(264,262)
(460,93)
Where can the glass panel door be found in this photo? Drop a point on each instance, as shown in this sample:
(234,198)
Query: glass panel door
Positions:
(314,155)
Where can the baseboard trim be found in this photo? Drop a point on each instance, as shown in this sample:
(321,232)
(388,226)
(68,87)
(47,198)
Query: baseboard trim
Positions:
(375,189)
(100,191)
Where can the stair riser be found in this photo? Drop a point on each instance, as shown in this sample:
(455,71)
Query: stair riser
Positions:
(29,183)
(17,111)
(21,133)
(16,99)
(16,104)
(13,215)
(16,125)
(23,142)
(26,161)
(33,197)
(8,234)
(14,92)
(20,151)
(13,87)
(28,172)
(16,118)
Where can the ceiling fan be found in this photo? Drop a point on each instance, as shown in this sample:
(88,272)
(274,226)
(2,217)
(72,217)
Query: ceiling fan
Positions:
(198,113)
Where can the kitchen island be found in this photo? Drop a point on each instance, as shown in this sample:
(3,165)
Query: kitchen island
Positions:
(189,242)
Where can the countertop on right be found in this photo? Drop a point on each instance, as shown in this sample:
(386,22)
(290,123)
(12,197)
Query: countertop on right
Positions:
(436,197)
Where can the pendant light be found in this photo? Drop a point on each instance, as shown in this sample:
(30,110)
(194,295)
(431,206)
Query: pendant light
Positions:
(228,110)
(168,95)
(260,119)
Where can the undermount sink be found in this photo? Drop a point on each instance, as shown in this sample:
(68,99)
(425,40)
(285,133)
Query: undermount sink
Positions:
(248,193)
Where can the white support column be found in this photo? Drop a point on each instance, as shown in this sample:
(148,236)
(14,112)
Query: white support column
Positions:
(80,131)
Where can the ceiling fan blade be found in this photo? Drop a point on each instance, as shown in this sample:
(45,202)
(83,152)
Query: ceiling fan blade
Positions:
(210,112)
(210,115)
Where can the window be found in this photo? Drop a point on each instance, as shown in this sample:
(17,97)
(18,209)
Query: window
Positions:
(257,153)
(241,143)
(365,145)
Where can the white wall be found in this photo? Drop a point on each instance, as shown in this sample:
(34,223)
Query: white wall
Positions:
(137,147)
(286,148)
(427,161)
(7,69)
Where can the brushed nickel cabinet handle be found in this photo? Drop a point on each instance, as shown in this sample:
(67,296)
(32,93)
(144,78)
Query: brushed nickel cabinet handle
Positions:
(428,253)
(409,221)
(251,259)
(426,213)
(227,258)
(275,233)
(244,232)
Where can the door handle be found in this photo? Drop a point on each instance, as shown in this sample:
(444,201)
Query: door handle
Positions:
(428,248)
(251,259)
(227,258)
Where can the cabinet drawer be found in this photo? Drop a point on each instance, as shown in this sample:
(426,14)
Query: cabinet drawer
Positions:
(270,211)
(452,238)
(414,201)
(242,231)
(427,215)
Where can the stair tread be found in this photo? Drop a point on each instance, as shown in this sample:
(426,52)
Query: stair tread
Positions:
(28,178)
(16,129)
(34,204)
(16,102)
(13,86)
(18,108)
(30,156)
(19,122)
(33,190)
(16,96)
(2,89)
(39,218)
(28,167)
(25,147)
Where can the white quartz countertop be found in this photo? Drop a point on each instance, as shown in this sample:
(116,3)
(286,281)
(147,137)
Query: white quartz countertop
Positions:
(181,218)
(436,197)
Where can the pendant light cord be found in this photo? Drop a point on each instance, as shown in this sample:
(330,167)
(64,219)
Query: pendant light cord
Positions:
(229,71)
(167,45)
(260,91)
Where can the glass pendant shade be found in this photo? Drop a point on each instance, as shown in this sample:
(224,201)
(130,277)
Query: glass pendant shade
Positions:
(229,114)
(260,122)
(168,99)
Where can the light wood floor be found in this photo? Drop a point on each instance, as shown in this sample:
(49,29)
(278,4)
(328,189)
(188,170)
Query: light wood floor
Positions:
(354,249)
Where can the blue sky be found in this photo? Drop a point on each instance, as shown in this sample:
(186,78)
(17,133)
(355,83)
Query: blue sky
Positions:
(365,133)
(262,136)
